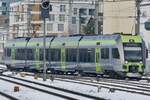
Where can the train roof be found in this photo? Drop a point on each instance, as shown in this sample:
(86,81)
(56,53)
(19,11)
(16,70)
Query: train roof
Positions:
(72,41)
(99,40)
(66,41)
(38,42)
(21,42)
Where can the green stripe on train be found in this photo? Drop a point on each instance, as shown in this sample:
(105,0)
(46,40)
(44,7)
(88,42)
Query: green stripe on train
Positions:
(37,58)
(97,60)
(63,64)
(94,42)
(13,51)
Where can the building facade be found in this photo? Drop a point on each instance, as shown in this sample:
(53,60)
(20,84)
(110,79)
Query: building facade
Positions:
(67,17)
(145,28)
(4,23)
(145,17)
(119,16)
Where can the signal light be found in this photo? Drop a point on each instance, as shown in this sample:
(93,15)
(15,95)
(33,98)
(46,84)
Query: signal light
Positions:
(45,9)
(45,4)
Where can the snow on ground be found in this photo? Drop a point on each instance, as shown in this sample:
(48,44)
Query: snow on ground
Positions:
(3,98)
(91,90)
(49,89)
(24,93)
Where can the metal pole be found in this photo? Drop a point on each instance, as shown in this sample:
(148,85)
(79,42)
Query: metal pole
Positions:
(70,15)
(44,53)
(79,23)
(26,54)
(28,18)
(138,17)
(96,16)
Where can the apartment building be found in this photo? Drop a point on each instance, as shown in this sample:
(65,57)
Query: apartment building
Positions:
(119,16)
(145,17)
(67,17)
(4,23)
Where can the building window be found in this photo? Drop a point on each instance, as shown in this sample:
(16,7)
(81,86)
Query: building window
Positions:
(60,27)
(52,17)
(61,17)
(62,8)
(22,17)
(3,4)
(83,20)
(50,27)
(16,18)
(3,12)
(92,12)
(17,8)
(83,11)
(73,20)
(75,11)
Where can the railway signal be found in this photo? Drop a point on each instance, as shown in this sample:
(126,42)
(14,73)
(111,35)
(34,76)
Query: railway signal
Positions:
(45,8)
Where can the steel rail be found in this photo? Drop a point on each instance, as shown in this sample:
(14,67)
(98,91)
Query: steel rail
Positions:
(107,85)
(41,90)
(57,88)
(8,96)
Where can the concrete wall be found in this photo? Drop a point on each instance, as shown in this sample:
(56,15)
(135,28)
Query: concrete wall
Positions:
(119,16)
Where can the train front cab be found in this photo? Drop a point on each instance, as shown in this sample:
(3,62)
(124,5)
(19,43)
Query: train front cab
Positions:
(134,56)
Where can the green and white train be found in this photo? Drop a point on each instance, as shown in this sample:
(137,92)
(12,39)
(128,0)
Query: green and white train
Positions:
(122,55)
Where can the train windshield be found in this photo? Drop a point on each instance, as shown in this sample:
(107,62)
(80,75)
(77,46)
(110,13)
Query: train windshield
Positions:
(133,53)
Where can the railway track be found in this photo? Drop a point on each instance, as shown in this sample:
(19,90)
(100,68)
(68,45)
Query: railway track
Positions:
(77,94)
(120,85)
(9,97)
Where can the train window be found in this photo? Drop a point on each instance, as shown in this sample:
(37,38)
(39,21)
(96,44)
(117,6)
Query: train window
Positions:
(8,52)
(55,54)
(71,55)
(147,25)
(86,55)
(30,54)
(47,54)
(41,54)
(47,51)
(5,52)
(115,53)
(105,53)
(20,54)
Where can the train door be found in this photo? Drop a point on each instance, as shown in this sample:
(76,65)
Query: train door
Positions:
(105,58)
(97,60)
(63,59)
(37,58)
(13,55)
(115,59)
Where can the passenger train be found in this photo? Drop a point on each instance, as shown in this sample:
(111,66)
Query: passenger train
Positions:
(118,54)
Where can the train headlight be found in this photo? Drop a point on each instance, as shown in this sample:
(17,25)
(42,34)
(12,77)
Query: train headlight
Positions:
(141,62)
(126,62)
